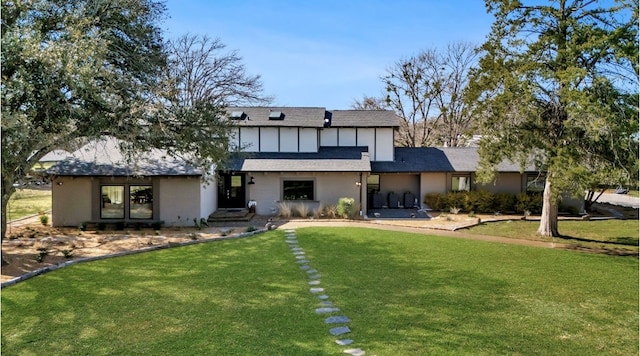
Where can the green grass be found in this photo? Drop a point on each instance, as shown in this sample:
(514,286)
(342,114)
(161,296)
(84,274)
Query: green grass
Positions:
(612,233)
(25,202)
(406,294)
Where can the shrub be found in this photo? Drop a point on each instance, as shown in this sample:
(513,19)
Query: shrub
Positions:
(284,209)
(454,200)
(67,253)
(330,211)
(504,202)
(346,207)
(44,219)
(302,210)
(434,200)
(251,228)
(531,202)
(483,201)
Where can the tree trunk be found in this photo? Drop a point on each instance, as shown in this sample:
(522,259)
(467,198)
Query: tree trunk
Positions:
(549,218)
(7,191)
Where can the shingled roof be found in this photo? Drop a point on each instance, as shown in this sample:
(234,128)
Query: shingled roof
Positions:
(327,159)
(103,157)
(439,159)
(312,117)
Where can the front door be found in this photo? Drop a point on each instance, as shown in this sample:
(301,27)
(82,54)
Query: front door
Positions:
(231,192)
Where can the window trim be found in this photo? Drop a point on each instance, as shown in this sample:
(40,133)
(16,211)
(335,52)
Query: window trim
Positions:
(126,183)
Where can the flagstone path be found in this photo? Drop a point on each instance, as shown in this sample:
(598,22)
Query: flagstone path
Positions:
(339,323)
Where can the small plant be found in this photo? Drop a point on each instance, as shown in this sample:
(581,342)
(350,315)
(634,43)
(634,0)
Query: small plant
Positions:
(156,232)
(284,209)
(44,220)
(302,210)
(193,236)
(472,214)
(67,253)
(83,227)
(43,251)
(345,208)
(454,210)
(251,228)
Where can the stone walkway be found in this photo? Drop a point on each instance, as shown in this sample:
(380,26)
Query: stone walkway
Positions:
(337,324)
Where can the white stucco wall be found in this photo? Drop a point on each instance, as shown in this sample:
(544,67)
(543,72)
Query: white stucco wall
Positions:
(346,137)
(249,139)
(308,140)
(367,137)
(269,140)
(208,198)
(504,183)
(288,139)
(71,201)
(179,200)
(384,145)
(329,137)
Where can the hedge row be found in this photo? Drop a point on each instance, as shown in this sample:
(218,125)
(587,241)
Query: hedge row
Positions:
(482,201)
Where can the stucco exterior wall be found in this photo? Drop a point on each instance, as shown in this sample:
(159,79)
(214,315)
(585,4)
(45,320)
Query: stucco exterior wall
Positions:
(399,184)
(288,139)
(308,140)
(346,137)
(384,145)
(71,201)
(367,137)
(179,200)
(329,187)
(208,198)
(329,137)
(250,138)
(504,183)
(269,140)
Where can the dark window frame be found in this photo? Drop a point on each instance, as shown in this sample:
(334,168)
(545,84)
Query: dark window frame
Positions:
(298,189)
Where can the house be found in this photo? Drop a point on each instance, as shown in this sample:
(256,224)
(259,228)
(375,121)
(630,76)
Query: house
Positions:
(310,156)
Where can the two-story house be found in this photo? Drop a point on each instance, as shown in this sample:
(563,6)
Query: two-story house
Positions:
(310,156)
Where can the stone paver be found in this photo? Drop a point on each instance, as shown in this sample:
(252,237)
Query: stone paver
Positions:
(316,290)
(344,342)
(336,319)
(314,283)
(354,352)
(339,330)
(327,310)
(323,297)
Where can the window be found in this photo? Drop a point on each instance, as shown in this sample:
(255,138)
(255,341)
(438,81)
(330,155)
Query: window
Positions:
(460,183)
(373,183)
(112,206)
(141,202)
(535,183)
(297,190)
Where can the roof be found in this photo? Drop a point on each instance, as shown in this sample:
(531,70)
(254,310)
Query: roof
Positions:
(55,156)
(103,157)
(312,117)
(439,159)
(327,159)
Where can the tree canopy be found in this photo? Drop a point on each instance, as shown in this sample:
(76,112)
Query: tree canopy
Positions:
(557,84)
(75,70)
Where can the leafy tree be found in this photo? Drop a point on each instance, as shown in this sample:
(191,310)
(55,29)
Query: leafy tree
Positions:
(75,70)
(557,84)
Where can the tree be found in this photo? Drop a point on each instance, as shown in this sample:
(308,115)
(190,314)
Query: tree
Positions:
(427,92)
(75,70)
(554,86)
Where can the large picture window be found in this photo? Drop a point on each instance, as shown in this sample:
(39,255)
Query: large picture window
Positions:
(141,202)
(535,183)
(112,204)
(118,200)
(461,183)
(297,190)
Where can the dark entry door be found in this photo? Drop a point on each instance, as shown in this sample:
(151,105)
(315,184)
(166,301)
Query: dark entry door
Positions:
(231,193)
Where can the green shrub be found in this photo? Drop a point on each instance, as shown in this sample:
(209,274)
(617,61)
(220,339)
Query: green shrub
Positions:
(480,201)
(434,200)
(531,202)
(346,207)
(44,219)
(504,202)
(454,200)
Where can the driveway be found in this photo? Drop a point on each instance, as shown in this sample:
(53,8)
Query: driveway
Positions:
(620,199)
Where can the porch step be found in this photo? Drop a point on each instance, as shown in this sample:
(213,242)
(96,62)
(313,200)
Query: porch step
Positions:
(230,215)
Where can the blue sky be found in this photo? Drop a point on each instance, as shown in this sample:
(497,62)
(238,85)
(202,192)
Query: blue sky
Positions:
(327,53)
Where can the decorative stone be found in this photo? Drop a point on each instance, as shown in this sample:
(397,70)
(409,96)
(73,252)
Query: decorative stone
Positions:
(296,248)
(305,267)
(312,270)
(314,276)
(336,319)
(326,310)
(314,283)
(326,303)
(302,261)
(340,330)
(323,297)
(354,352)
(300,257)
(344,342)
(316,290)
(298,253)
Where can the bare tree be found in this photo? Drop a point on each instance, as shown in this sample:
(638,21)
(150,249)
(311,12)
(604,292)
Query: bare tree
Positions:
(203,72)
(369,103)
(455,113)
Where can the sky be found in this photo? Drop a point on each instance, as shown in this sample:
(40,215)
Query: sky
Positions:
(327,53)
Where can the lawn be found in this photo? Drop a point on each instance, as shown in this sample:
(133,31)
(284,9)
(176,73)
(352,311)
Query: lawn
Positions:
(406,294)
(25,202)
(620,234)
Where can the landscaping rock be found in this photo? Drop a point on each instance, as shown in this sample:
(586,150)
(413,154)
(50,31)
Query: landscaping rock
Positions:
(316,290)
(340,330)
(354,352)
(326,310)
(336,319)
(344,342)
